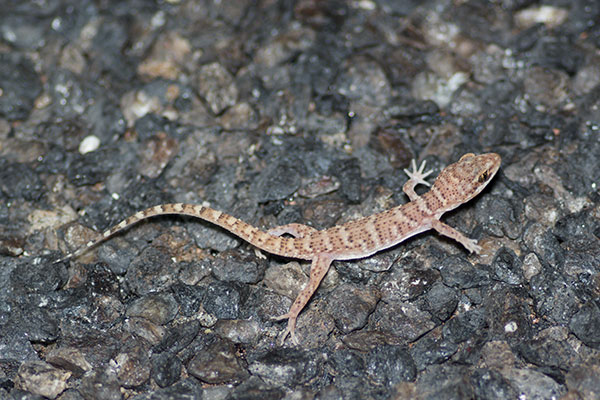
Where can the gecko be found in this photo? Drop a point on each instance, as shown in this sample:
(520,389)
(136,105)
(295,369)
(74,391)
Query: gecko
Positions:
(456,184)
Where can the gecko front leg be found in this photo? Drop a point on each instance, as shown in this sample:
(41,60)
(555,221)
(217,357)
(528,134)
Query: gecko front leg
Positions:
(416,177)
(448,231)
(318,269)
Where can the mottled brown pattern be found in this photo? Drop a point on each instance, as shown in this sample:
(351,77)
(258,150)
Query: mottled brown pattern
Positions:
(455,185)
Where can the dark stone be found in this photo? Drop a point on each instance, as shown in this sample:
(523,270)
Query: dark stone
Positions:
(507,267)
(151,271)
(188,389)
(278,181)
(465,325)
(189,298)
(559,53)
(166,369)
(459,273)
(445,382)
(19,181)
(432,349)
(549,354)
(490,384)
(218,363)
(406,321)
(235,267)
(348,363)
(585,324)
(442,300)
(160,308)
(101,385)
(412,108)
(178,337)
(301,367)
(351,306)
(20,86)
(223,300)
(390,365)
(349,174)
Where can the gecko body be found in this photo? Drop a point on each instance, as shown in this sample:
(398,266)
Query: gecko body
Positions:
(456,184)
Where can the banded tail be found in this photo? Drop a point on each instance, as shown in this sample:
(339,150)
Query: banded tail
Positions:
(256,237)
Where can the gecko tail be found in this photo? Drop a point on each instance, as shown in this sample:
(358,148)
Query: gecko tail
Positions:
(77,252)
(63,259)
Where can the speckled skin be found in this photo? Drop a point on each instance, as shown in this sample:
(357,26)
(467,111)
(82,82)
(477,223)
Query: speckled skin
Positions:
(455,185)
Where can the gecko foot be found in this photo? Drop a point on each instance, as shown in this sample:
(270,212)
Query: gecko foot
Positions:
(259,254)
(290,329)
(472,246)
(418,175)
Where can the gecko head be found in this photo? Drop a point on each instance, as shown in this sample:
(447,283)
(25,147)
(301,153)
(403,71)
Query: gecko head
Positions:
(466,178)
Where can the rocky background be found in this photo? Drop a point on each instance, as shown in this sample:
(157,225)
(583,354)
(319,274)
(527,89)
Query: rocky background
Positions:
(296,111)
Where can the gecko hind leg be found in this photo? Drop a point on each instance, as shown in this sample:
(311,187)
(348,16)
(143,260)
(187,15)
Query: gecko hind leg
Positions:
(294,229)
(318,269)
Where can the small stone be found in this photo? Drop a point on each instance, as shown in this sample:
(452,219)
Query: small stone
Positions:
(490,384)
(277,182)
(442,300)
(89,144)
(160,308)
(390,365)
(351,306)
(144,328)
(507,267)
(167,55)
(407,283)
(314,326)
(319,186)
(349,175)
(232,266)
(133,364)
(286,367)
(100,384)
(239,116)
(465,325)
(546,88)
(444,381)
(459,273)
(20,86)
(41,378)
(404,320)
(583,380)
(531,266)
(178,337)
(218,364)
(156,154)
(533,384)
(365,81)
(585,324)
(238,331)
(152,270)
(222,300)
(432,349)
(166,369)
(286,279)
(545,14)
(70,359)
(217,87)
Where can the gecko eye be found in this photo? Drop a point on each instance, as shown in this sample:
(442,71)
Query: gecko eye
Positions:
(483,177)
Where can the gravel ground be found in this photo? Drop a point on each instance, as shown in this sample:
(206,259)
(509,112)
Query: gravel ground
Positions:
(296,111)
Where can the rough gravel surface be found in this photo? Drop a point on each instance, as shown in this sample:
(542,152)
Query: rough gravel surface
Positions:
(296,111)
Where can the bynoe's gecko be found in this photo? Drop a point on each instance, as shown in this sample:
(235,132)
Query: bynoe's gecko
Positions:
(456,184)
